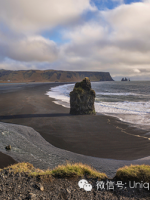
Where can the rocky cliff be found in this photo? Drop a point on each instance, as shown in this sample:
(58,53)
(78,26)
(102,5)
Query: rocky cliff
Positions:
(82,98)
(51,76)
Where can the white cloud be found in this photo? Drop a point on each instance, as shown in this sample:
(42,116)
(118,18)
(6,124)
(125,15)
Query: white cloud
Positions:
(136,70)
(130,19)
(86,33)
(29,49)
(35,49)
(116,41)
(36,15)
(118,45)
(22,21)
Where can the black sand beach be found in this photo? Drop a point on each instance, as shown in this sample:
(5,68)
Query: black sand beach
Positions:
(6,160)
(98,136)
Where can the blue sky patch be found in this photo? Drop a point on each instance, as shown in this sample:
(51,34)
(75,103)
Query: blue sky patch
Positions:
(111,4)
(56,35)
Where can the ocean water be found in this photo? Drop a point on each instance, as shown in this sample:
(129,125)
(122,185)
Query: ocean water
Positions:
(128,101)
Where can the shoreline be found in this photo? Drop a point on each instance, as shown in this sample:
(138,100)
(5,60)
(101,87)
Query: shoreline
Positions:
(54,156)
(63,100)
(96,136)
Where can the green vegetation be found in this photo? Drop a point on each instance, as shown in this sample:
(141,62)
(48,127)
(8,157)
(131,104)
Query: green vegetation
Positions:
(127,173)
(22,167)
(92,92)
(78,90)
(68,170)
(26,74)
(84,84)
(134,173)
(92,112)
(77,85)
(77,169)
(47,74)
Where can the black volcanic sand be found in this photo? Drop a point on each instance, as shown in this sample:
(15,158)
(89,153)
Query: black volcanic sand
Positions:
(99,136)
(6,160)
(21,186)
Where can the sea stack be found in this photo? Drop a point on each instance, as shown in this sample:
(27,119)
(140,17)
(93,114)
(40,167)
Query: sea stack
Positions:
(82,98)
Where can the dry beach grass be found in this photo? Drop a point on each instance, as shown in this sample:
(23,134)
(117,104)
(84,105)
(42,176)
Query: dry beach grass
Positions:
(62,183)
(134,173)
(62,171)
(126,173)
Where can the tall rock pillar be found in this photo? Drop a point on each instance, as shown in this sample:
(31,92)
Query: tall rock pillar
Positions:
(82,98)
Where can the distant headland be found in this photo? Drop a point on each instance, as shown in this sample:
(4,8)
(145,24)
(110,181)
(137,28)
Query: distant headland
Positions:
(51,76)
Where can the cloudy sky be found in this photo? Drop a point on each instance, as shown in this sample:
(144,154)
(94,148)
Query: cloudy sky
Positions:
(98,35)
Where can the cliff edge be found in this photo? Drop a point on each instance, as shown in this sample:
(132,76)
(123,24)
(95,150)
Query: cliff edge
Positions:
(51,76)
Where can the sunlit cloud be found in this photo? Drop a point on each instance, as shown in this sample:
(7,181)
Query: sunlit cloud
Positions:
(37,15)
(114,40)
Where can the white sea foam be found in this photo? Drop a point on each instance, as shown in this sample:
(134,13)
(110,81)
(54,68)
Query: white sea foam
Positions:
(124,107)
(117,94)
(61,92)
(137,113)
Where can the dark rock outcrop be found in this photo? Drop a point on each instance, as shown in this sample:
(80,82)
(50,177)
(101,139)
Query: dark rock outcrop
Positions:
(82,98)
(125,79)
(8,147)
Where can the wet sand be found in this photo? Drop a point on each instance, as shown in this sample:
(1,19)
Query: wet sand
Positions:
(98,136)
(6,160)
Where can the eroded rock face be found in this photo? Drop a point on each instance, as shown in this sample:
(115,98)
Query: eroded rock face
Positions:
(82,98)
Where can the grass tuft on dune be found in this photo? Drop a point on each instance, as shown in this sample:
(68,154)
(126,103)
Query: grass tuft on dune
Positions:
(127,173)
(77,169)
(134,173)
(68,170)
(22,167)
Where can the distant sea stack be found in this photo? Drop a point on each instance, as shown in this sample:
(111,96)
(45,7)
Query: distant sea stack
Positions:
(51,76)
(82,98)
(125,79)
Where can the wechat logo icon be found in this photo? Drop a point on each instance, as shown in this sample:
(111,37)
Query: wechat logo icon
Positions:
(85,185)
